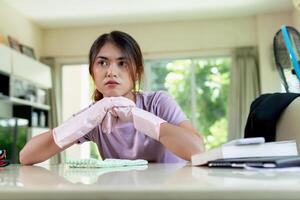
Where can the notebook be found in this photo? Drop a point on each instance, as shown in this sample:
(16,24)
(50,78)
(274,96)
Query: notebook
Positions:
(248,147)
(263,162)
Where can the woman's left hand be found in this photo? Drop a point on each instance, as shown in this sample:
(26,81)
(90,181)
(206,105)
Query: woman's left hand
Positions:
(116,115)
(143,121)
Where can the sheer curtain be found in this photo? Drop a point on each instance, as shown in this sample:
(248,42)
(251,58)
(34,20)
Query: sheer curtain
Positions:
(244,88)
(53,99)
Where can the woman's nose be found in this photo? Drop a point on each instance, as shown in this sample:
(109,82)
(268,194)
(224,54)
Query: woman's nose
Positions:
(111,70)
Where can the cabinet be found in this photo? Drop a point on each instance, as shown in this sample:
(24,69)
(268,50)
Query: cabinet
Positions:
(29,69)
(4,86)
(5,59)
(24,85)
(28,100)
(37,117)
(16,64)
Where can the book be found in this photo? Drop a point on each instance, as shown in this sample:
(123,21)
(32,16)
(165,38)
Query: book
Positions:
(258,162)
(248,147)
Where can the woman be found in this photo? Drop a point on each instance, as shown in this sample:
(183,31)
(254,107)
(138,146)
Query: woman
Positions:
(123,122)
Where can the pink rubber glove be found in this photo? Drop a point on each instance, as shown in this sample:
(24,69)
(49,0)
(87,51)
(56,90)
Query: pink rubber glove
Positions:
(146,122)
(109,122)
(84,121)
(143,121)
(112,118)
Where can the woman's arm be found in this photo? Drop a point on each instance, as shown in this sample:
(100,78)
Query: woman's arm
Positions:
(182,140)
(43,146)
(39,149)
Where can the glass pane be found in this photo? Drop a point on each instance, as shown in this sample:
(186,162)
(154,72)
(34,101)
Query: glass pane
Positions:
(75,96)
(172,76)
(210,92)
(212,84)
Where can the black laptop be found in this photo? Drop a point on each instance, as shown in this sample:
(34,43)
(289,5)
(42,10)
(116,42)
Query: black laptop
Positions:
(263,162)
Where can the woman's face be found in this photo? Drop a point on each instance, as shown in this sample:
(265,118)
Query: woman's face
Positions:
(110,72)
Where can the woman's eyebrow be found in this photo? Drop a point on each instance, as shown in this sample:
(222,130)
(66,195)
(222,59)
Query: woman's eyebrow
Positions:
(105,58)
(122,58)
(102,57)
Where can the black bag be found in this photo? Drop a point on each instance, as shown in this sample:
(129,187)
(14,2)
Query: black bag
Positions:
(264,114)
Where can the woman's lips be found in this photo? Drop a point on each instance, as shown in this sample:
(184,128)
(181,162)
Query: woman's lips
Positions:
(112,83)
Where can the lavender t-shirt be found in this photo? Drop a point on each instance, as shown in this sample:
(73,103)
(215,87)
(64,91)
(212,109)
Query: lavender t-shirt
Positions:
(125,142)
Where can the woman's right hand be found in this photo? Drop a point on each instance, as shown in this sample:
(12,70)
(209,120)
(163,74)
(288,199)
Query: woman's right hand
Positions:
(84,121)
(111,117)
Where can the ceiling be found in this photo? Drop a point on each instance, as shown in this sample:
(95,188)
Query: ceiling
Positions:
(70,13)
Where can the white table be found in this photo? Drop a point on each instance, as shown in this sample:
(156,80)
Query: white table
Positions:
(155,181)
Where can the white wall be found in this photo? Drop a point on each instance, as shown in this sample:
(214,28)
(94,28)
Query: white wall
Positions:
(184,38)
(15,25)
(296,19)
(267,26)
(168,37)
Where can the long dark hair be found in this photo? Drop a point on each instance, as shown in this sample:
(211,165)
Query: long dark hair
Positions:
(128,46)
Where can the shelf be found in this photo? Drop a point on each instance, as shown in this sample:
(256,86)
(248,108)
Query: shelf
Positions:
(37,117)
(29,103)
(23,102)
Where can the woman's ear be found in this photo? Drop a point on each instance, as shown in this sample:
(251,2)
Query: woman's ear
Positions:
(137,75)
(92,75)
(136,78)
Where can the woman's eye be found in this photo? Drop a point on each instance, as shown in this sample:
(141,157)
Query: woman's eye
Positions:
(103,63)
(122,63)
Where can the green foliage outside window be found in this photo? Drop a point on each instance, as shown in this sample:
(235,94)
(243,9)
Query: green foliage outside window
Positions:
(210,89)
(8,128)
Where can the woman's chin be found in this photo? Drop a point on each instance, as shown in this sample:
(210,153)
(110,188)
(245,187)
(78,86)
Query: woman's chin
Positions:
(117,93)
(112,94)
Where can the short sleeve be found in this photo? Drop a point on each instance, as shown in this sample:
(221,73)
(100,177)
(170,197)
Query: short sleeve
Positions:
(90,136)
(167,108)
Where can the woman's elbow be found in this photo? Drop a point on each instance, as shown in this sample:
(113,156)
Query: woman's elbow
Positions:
(23,159)
(202,145)
(199,146)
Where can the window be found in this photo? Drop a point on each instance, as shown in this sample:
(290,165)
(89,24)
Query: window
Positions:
(76,94)
(200,86)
